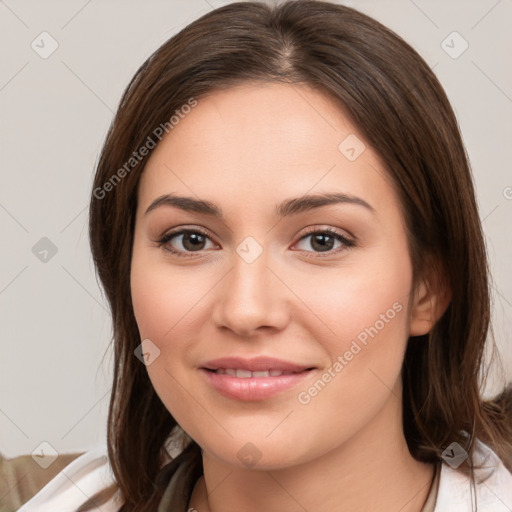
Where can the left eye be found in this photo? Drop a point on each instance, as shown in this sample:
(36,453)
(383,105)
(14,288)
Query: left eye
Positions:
(324,240)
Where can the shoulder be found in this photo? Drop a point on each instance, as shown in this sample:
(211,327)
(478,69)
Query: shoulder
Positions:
(85,476)
(493,489)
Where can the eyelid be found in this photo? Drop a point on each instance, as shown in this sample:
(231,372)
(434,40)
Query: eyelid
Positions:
(327,229)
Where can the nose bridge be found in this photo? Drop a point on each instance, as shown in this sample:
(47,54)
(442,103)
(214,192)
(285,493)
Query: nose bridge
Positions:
(252,297)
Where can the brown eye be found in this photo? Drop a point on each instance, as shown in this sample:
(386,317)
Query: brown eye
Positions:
(189,240)
(324,241)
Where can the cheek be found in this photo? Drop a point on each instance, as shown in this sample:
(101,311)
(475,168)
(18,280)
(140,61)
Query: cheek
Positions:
(169,308)
(165,302)
(358,301)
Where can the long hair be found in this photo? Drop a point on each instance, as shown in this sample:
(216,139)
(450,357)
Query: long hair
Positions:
(395,100)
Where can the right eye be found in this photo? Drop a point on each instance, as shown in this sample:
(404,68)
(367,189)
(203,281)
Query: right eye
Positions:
(192,240)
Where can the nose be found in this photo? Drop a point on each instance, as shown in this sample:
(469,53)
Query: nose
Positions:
(252,298)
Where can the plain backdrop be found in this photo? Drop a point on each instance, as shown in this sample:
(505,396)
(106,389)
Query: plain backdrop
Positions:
(55,111)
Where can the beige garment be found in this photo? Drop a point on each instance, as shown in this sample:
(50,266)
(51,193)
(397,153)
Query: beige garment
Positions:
(22,477)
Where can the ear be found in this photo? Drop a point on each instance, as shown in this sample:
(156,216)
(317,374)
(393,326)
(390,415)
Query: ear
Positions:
(431,298)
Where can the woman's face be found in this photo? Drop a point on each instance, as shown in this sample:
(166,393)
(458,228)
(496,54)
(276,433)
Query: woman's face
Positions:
(313,285)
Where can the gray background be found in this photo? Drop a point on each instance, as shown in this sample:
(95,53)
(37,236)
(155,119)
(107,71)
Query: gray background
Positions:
(55,111)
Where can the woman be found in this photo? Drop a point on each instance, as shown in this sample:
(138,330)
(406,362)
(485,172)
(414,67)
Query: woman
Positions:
(321,351)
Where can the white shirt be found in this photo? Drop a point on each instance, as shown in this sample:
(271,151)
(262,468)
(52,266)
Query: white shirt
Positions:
(75,484)
(91,473)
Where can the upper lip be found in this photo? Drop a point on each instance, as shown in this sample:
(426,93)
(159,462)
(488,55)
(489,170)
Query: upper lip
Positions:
(255,364)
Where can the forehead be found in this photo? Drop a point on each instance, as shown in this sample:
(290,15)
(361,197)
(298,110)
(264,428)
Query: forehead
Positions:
(270,123)
(265,142)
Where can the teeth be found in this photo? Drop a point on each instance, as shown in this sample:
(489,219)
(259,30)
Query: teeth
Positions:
(260,374)
(246,374)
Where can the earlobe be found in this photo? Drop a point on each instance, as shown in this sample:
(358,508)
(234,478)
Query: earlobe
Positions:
(431,299)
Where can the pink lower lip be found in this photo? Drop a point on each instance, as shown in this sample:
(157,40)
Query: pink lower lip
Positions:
(253,388)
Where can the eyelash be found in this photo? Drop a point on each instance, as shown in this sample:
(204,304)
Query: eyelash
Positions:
(168,236)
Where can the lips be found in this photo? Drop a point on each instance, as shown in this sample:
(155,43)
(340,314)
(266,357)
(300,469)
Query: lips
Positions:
(257,364)
(254,379)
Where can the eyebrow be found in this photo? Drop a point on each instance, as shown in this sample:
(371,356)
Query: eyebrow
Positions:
(287,207)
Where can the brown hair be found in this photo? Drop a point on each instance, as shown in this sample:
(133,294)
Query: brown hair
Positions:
(400,108)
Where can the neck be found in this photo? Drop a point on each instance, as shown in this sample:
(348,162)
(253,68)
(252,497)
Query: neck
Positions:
(371,471)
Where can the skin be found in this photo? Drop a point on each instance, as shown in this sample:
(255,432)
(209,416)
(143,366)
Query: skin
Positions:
(246,149)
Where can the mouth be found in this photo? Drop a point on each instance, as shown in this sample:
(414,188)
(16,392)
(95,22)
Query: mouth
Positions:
(240,373)
(257,366)
(254,379)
